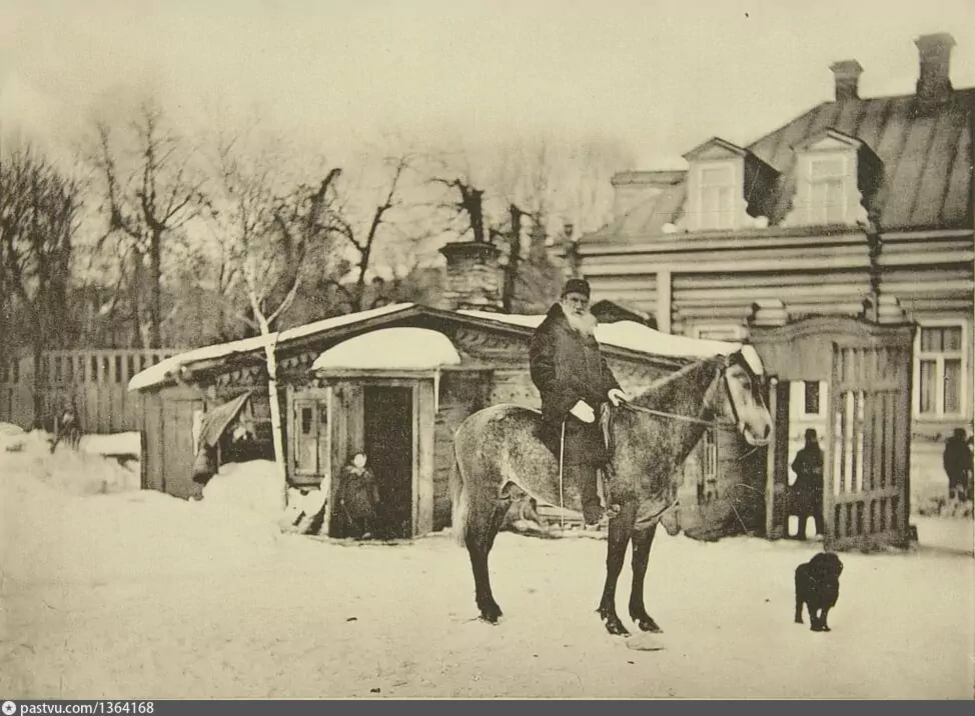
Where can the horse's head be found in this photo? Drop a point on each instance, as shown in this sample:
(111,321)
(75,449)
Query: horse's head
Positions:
(742,401)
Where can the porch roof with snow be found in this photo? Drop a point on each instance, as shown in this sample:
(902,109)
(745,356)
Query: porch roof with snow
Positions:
(622,339)
(400,348)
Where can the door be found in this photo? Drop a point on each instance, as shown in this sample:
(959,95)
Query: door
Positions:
(310,436)
(388,440)
(177,455)
(866,488)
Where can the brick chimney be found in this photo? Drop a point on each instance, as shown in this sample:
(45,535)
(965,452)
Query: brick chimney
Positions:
(933,84)
(473,280)
(846,75)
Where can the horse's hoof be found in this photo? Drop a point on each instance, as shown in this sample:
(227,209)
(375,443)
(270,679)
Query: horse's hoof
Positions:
(491,614)
(614,626)
(649,625)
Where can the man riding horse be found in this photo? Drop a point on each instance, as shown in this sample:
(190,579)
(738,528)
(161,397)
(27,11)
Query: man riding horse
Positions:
(576,385)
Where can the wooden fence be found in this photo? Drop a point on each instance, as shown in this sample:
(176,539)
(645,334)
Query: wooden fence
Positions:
(96,381)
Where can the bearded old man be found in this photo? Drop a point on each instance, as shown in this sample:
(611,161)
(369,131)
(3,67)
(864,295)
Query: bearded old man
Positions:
(575,383)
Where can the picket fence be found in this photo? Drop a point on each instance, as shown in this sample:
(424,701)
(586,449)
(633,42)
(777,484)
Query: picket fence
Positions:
(94,381)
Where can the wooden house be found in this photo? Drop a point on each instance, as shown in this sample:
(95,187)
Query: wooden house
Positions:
(396,382)
(857,207)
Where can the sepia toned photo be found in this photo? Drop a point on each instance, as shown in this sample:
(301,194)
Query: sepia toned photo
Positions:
(486,350)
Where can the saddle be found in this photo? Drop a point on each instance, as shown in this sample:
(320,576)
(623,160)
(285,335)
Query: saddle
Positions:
(551,437)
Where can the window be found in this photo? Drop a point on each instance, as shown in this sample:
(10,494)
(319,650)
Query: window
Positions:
(306,438)
(729,332)
(811,394)
(827,190)
(716,203)
(940,371)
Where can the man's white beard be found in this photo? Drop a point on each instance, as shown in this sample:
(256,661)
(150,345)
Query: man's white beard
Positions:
(585,324)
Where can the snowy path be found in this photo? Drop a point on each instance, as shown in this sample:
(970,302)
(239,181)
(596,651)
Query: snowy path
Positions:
(140,595)
(278,627)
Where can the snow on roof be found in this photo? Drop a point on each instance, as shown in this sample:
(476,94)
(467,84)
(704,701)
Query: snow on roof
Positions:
(641,338)
(391,348)
(158,373)
(622,334)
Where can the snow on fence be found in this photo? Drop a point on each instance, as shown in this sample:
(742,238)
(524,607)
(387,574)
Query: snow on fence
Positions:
(95,380)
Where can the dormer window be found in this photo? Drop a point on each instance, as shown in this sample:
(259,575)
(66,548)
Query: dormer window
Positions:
(835,176)
(721,175)
(716,196)
(827,189)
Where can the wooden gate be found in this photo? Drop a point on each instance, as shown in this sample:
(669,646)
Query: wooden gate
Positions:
(867,456)
(866,480)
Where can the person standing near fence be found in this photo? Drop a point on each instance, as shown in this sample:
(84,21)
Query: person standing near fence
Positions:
(808,487)
(958,465)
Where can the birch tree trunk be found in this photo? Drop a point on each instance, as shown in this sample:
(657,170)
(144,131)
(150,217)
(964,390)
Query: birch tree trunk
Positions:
(276,433)
(264,322)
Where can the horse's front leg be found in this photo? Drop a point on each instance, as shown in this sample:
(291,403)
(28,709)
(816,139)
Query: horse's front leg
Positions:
(642,542)
(618,538)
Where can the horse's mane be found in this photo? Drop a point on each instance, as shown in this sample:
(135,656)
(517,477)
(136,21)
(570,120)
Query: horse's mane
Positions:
(664,386)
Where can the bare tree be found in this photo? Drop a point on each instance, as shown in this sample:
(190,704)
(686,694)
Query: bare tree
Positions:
(39,214)
(266,232)
(552,185)
(150,193)
(362,236)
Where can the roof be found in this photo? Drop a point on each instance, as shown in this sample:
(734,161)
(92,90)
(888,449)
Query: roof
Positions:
(158,373)
(625,338)
(927,161)
(607,311)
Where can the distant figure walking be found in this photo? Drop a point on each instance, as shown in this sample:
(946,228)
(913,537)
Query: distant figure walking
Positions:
(358,497)
(67,429)
(808,487)
(958,465)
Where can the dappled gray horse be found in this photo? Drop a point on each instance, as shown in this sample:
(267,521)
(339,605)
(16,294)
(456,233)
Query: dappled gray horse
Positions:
(499,458)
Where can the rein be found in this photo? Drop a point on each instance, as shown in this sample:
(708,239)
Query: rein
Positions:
(675,416)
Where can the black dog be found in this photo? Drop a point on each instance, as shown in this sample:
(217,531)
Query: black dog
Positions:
(67,429)
(818,587)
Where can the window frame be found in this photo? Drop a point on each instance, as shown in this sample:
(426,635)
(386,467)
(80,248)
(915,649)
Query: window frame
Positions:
(819,214)
(820,385)
(962,354)
(738,332)
(731,187)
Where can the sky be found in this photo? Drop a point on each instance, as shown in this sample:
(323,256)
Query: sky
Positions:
(659,75)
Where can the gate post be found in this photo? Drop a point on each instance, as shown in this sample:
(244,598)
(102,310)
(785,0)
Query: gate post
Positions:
(777,462)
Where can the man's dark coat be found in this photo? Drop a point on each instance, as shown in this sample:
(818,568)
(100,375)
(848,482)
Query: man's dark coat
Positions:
(566,367)
(957,461)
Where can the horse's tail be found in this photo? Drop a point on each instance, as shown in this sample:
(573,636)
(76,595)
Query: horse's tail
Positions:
(458,502)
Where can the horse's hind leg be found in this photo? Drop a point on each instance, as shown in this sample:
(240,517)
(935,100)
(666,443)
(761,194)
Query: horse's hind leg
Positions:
(618,538)
(483,524)
(642,542)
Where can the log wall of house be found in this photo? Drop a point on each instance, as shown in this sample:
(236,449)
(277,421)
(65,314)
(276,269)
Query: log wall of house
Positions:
(715,279)
(461,394)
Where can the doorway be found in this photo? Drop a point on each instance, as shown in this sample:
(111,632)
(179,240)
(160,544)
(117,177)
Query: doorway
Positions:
(388,440)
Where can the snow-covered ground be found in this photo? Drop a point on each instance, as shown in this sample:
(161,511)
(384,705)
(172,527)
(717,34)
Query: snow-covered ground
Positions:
(109,592)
